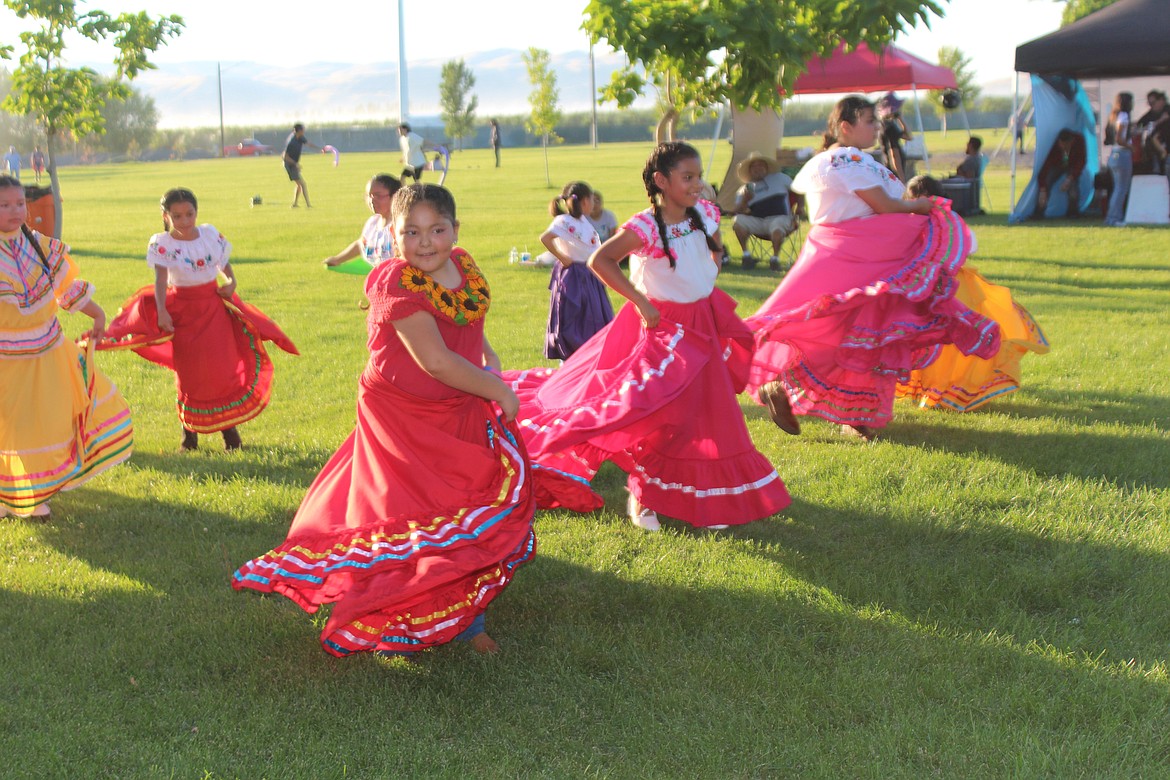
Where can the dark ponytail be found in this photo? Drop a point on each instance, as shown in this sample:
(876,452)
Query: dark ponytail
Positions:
(36,245)
(848,109)
(569,201)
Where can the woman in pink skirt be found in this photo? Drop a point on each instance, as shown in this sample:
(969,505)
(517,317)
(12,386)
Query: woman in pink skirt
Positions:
(872,296)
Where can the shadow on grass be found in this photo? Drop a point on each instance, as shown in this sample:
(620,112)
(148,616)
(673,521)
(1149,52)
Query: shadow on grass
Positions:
(971,580)
(615,660)
(1125,459)
(210,464)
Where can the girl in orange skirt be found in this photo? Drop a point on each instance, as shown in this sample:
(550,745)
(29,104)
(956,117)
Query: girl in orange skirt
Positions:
(213,341)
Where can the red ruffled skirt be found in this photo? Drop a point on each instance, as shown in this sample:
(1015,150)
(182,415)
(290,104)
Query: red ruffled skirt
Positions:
(661,404)
(222,370)
(869,301)
(418,521)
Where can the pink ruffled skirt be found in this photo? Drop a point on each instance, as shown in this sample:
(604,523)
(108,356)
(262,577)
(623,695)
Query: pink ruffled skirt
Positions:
(869,301)
(661,404)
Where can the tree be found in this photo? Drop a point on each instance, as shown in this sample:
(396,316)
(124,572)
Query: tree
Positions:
(960,64)
(543,100)
(1075,9)
(129,122)
(70,100)
(740,51)
(457,109)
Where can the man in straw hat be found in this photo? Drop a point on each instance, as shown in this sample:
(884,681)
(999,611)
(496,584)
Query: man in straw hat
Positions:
(761,206)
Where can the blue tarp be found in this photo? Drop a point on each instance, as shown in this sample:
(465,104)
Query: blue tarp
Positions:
(1059,103)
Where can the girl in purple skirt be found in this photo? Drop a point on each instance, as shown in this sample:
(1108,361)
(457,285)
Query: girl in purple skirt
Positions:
(579,304)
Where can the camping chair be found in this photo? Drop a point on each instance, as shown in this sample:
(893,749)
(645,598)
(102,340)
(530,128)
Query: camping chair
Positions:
(761,246)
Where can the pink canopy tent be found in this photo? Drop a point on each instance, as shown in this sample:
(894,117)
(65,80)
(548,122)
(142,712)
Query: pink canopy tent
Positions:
(863,70)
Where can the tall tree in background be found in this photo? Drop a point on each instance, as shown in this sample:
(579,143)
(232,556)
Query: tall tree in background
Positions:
(130,123)
(739,51)
(456,106)
(1075,9)
(960,64)
(66,100)
(543,99)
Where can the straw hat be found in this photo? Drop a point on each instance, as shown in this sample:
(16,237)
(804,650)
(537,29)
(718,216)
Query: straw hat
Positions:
(743,170)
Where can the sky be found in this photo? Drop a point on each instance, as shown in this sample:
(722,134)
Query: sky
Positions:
(987,31)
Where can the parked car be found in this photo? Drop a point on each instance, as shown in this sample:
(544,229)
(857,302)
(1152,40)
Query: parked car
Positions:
(249,147)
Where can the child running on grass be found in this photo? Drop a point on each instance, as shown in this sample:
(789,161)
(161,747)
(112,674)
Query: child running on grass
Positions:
(655,391)
(61,419)
(187,322)
(578,303)
(425,512)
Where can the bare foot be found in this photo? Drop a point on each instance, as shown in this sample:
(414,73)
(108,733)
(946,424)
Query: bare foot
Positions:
(484,644)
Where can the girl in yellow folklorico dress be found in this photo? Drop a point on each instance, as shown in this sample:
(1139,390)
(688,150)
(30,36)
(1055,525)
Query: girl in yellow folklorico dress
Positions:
(61,420)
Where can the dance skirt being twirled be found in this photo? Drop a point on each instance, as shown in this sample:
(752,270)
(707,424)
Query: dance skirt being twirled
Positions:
(961,382)
(62,422)
(417,522)
(661,404)
(578,307)
(868,301)
(222,369)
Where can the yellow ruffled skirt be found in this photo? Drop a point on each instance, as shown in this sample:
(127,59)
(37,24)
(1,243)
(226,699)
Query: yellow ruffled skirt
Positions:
(961,382)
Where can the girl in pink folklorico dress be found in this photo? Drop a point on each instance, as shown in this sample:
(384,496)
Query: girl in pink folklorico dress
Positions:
(872,295)
(655,391)
(424,513)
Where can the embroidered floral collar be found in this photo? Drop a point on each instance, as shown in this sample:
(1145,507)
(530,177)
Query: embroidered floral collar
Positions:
(465,305)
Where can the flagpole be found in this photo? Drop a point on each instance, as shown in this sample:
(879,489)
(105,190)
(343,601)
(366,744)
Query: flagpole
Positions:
(403,100)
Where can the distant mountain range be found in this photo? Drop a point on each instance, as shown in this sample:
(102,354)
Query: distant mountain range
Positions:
(186,94)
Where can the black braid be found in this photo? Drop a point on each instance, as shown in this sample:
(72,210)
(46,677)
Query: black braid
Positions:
(36,245)
(697,224)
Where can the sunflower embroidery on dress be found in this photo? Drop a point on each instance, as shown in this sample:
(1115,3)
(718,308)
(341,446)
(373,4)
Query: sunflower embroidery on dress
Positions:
(467,304)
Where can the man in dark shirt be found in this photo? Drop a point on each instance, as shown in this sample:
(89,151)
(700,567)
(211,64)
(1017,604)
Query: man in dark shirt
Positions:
(1155,127)
(292,162)
(1065,159)
(972,164)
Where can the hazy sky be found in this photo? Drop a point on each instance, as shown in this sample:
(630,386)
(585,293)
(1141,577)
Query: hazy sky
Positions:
(362,31)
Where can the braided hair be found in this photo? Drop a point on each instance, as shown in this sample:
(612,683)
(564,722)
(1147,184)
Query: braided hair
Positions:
(664,159)
(569,201)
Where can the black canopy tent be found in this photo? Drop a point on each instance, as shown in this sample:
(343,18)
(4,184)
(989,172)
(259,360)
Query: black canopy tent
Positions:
(1128,39)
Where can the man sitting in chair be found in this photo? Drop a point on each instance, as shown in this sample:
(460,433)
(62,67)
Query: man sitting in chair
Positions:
(761,206)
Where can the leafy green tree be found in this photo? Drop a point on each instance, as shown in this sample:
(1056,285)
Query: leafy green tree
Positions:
(69,101)
(457,107)
(131,120)
(543,99)
(737,51)
(1075,9)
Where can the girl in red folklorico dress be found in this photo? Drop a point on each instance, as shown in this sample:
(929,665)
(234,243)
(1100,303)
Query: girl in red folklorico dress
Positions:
(655,390)
(213,341)
(425,512)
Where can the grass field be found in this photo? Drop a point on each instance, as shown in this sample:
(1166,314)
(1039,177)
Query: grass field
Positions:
(981,595)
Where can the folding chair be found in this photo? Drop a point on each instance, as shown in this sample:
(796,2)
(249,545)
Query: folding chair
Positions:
(761,246)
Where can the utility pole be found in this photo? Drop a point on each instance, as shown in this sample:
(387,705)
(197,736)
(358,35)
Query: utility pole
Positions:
(219,81)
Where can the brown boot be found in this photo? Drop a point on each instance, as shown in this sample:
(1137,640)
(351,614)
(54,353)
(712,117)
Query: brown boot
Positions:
(773,397)
(231,439)
(190,441)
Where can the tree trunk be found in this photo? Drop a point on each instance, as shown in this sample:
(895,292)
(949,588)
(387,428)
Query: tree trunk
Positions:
(666,126)
(51,151)
(544,143)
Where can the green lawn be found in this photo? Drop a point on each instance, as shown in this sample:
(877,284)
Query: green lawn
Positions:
(983,595)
